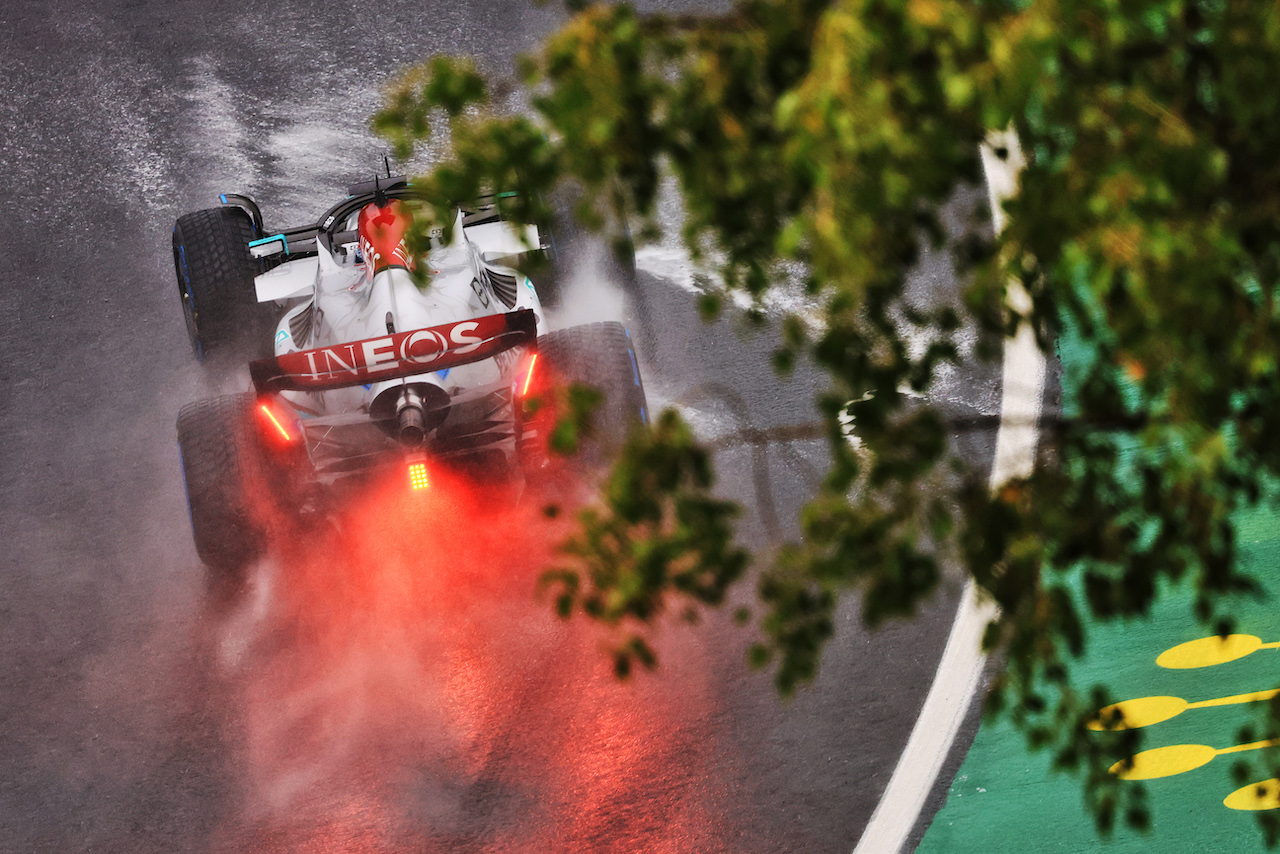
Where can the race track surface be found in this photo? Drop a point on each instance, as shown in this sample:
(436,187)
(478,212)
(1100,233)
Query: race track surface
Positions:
(355,700)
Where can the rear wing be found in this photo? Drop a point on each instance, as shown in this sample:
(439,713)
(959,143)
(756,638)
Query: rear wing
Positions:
(395,356)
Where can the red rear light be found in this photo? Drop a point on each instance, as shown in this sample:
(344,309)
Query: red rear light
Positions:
(277,422)
(528,377)
(418,476)
(271,419)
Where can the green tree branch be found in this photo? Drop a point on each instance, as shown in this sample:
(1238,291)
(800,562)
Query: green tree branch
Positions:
(830,133)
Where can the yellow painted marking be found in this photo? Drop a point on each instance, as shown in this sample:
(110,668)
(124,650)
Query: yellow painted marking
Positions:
(1178,759)
(1211,651)
(1145,711)
(1255,796)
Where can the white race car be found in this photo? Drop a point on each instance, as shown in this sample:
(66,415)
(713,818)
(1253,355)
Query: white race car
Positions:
(364,369)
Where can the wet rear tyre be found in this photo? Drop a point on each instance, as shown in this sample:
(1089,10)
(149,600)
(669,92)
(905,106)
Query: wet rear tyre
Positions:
(222,460)
(599,355)
(215,284)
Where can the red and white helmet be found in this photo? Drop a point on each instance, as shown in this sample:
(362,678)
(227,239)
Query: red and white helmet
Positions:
(382,231)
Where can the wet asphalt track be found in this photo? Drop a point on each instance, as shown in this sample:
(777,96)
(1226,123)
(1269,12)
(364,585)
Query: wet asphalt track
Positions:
(136,711)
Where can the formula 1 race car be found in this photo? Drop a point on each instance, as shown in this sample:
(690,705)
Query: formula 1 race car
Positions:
(361,367)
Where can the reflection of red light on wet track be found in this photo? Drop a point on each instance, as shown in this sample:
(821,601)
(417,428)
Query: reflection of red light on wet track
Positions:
(405,690)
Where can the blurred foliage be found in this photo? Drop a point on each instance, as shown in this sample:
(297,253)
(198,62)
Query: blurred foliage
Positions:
(656,532)
(1147,227)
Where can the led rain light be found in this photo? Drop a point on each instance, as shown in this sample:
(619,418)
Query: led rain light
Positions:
(529,376)
(266,410)
(418,476)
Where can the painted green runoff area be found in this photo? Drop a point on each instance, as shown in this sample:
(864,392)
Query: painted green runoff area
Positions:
(1006,798)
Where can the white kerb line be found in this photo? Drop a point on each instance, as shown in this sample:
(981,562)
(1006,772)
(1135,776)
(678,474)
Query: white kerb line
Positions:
(960,669)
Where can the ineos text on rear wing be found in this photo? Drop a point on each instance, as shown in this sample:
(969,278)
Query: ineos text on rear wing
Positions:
(401,354)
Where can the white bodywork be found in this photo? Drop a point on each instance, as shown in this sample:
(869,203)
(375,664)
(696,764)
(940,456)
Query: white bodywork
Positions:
(331,299)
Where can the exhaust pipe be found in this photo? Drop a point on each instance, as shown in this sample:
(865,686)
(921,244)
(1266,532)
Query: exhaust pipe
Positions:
(411,421)
(408,413)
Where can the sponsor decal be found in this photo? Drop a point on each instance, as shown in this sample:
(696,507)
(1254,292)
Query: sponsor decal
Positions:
(397,355)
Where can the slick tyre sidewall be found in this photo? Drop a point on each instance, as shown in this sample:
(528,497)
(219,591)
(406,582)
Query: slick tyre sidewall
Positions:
(215,275)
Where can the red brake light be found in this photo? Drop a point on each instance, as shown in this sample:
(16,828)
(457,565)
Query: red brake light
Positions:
(528,377)
(418,476)
(271,418)
(277,423)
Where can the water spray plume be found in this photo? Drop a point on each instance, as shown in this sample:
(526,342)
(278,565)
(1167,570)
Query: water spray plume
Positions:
(406,689)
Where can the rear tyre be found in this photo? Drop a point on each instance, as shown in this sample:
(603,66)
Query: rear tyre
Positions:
(222,463)
(215,283)
(599,355)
